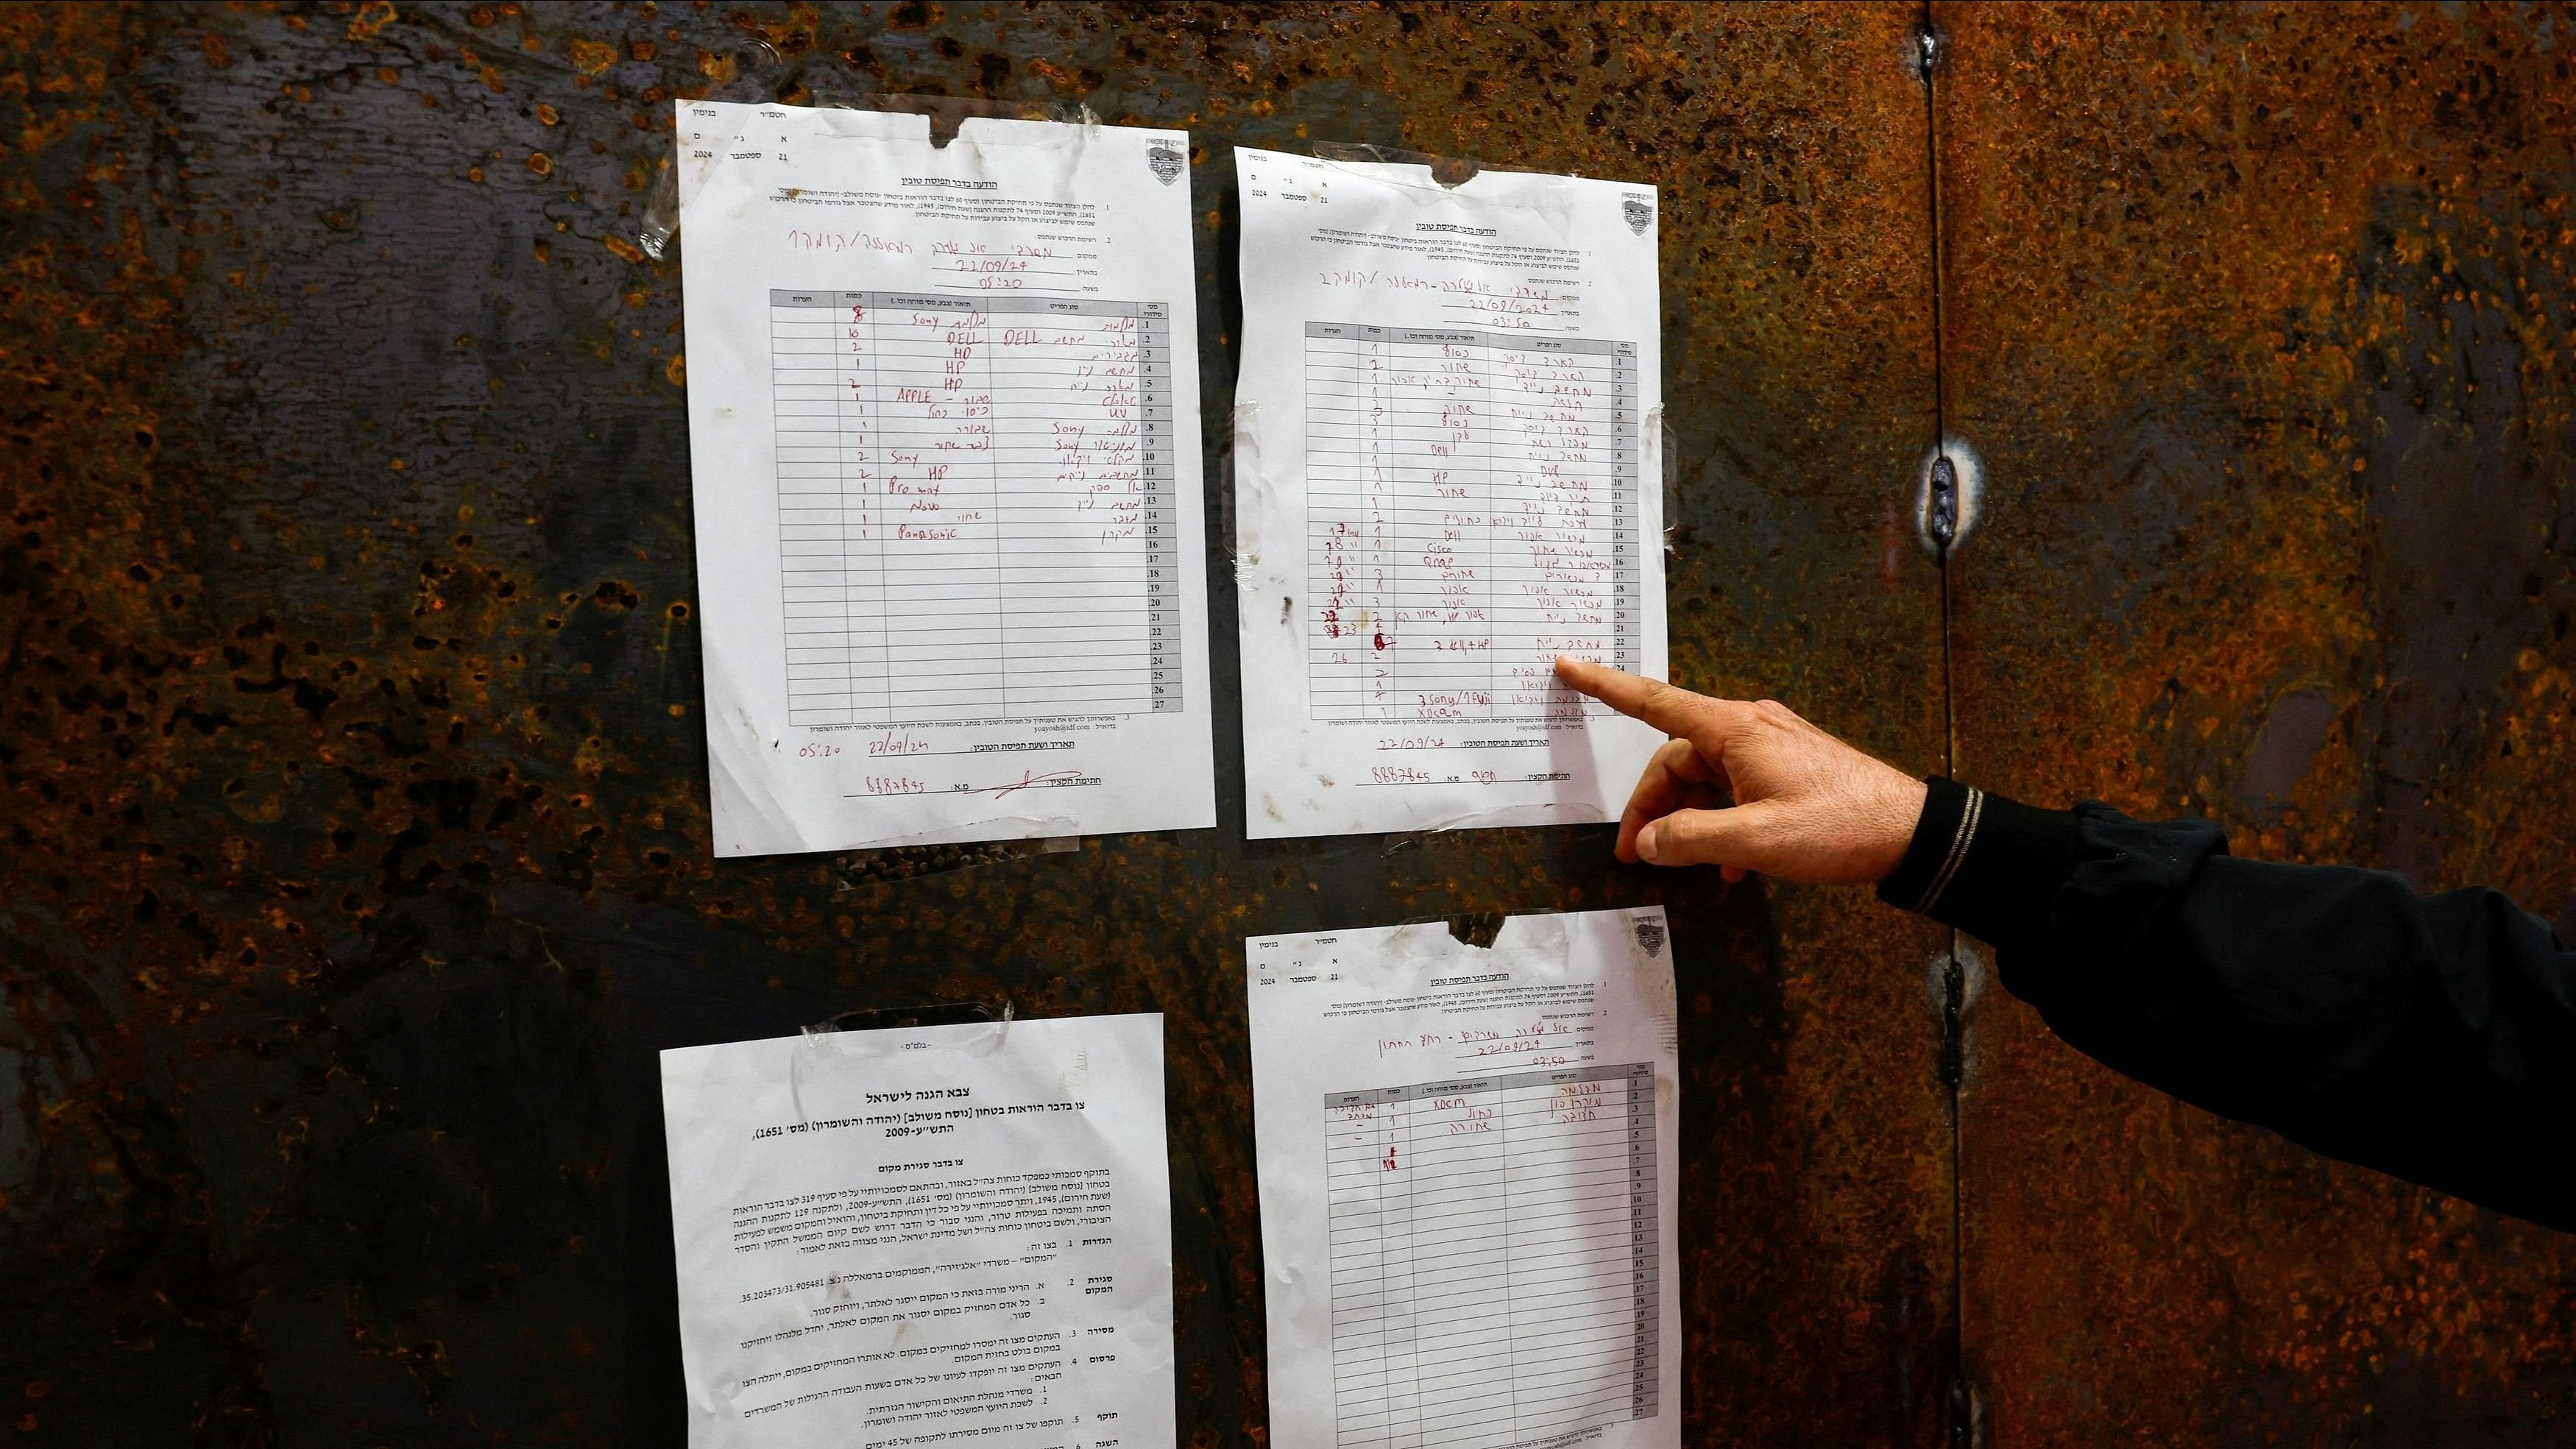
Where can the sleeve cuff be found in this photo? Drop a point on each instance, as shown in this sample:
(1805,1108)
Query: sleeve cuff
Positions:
(1984,864)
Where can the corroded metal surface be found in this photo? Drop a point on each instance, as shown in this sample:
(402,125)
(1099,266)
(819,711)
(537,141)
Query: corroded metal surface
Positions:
(2261,319)
(356,854)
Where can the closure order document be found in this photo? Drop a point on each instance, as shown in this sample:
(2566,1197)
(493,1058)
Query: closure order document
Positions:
(1469,1184)
(943,431)
(1447,474)
(951,1235)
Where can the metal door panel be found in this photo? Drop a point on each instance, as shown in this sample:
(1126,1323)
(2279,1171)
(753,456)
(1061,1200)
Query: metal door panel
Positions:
(2259,320)
(357,856)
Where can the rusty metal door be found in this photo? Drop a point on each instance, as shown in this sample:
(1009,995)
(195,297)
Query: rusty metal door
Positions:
(356,856)
(2260,320)
(355,859)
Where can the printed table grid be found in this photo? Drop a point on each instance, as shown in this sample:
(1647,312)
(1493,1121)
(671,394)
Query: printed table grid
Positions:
(975,507)
(1494,1252)
(1472,512)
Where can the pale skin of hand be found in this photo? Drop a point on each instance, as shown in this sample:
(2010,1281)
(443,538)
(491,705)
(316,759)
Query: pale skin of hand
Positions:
(1807,806)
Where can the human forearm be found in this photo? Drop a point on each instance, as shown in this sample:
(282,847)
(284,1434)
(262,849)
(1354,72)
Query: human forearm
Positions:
(2429,1037)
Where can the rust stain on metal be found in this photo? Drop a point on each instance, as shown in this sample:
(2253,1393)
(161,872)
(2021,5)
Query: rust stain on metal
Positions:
(356,837)
(2262,320)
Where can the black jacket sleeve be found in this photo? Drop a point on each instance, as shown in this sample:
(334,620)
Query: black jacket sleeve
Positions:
(2430,1037)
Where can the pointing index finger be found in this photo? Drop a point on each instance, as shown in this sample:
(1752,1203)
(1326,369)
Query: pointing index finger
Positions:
(1673,710)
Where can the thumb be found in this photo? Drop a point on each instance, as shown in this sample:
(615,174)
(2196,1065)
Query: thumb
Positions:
(1733,835)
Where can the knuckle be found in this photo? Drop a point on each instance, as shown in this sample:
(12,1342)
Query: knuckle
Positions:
(1690,836)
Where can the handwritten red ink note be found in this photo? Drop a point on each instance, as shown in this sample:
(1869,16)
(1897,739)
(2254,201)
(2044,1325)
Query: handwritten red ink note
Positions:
(1425,1190)
(943,435)
(1445,403)
(978,514)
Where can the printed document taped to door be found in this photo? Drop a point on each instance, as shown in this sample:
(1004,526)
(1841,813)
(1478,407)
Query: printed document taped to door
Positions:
(1447,462)
(943,427)
(948,1235)
(1469,1181)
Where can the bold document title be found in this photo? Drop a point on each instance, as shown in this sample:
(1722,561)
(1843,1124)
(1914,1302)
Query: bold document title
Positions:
(909,1121)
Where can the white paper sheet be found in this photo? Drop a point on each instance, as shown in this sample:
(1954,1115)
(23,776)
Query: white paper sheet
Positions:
(1446,475)
(944,1235)
(1468,1185)
(943,423)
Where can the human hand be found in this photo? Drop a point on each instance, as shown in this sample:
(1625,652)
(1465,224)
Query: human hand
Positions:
(1807,806)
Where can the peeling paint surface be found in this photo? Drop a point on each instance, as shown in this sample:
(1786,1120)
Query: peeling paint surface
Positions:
(2262,319)
(355,848)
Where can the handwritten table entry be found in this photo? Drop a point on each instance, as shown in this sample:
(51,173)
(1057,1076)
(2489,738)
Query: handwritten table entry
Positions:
(975,507)
(1471,503)
(951,527)
(1494,1257)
